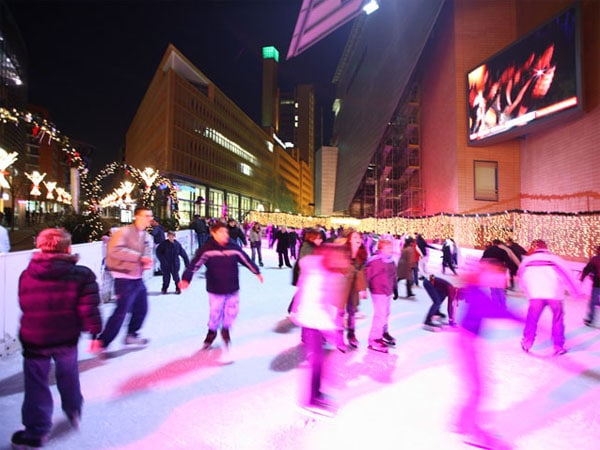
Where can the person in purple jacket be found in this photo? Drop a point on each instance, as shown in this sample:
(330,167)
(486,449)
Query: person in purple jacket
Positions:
(381,279)
(221,256)
(58,299)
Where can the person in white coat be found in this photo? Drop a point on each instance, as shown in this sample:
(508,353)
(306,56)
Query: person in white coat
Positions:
(544,277)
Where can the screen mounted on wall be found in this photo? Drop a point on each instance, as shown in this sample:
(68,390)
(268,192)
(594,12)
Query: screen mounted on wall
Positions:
(528,85)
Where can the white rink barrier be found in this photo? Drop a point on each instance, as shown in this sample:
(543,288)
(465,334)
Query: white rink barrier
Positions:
(12,264)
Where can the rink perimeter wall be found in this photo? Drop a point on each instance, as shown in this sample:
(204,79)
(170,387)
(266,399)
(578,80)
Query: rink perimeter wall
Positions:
(12,264)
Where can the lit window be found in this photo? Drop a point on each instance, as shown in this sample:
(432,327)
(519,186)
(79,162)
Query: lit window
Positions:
(246,169)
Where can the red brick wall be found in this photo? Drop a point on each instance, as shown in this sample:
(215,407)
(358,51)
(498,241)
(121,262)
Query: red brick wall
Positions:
(553,170)
(560,167)
(438,120)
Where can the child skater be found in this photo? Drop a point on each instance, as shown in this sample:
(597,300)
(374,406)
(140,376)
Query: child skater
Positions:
(221,256)
(168,253)
(381,278)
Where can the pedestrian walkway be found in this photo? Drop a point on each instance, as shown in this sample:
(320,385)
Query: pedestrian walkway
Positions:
(171,395)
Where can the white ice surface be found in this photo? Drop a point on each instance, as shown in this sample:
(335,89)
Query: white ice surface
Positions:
(170,395)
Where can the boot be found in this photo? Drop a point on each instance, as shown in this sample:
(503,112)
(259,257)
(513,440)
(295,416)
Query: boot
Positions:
(210,337)
(352,341)
(225,336)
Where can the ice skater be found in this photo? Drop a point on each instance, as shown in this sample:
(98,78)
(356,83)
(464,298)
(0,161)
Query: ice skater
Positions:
(221,256)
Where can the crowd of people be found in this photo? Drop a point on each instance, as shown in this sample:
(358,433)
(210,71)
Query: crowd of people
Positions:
(334,272)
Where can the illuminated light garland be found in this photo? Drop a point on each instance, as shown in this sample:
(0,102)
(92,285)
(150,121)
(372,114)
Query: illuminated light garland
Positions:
(94,192)
(573,235)
(42,129)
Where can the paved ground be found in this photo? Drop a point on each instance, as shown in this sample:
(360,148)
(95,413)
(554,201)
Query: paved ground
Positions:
(170,395)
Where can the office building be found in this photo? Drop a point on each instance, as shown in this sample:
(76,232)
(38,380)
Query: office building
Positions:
(222,163)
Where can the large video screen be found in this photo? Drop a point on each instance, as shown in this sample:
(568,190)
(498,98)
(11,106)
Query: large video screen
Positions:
(523,87)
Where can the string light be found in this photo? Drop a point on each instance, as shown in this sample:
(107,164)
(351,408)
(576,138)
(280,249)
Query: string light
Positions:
(573,235)
(91,190)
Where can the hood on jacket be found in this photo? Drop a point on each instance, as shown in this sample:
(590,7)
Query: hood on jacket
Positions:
(45,265)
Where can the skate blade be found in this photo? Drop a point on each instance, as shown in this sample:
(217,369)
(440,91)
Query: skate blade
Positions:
(318,413)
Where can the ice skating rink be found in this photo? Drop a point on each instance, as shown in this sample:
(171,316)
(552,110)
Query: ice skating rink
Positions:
(171,395)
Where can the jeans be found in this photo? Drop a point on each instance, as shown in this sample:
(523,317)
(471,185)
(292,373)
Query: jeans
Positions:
(313,340)
(169,271)
(256,250)
(436,299)
(536,306)
(38,404)
(381,313)
(132,297)
(224,308)
(594,301)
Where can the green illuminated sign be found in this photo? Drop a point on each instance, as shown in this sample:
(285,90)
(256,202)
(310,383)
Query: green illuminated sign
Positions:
(270,52)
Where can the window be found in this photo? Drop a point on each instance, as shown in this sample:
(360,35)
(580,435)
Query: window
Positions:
(486,180)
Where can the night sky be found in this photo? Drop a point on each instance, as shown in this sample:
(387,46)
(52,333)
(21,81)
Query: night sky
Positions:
(91,61)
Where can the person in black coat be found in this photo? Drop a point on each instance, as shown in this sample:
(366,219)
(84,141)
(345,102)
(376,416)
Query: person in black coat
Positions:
(200,226)
(168,253)
(236,233)
(283,244)
(158,236)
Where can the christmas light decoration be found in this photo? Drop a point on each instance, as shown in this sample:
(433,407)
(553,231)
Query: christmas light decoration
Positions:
(50,186)
(572,235)
(36,178)
(149,176)
(127,187)
(6,159)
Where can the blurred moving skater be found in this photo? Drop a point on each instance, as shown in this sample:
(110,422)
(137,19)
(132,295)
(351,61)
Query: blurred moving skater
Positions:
(323,287)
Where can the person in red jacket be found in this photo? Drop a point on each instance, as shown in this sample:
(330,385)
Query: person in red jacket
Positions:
(59,299)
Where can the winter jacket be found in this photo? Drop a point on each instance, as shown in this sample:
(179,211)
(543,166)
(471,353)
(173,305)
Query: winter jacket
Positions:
(504,255)
(406,263)
(381,274)
(443,288)
(321,294)
(125,248)
(236,234)
(307,248)
(359,281)
(544,275)
(168,254)
(592,267)
(255,238)
(222,275)
(283,241)
(158,234)
(59,300)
